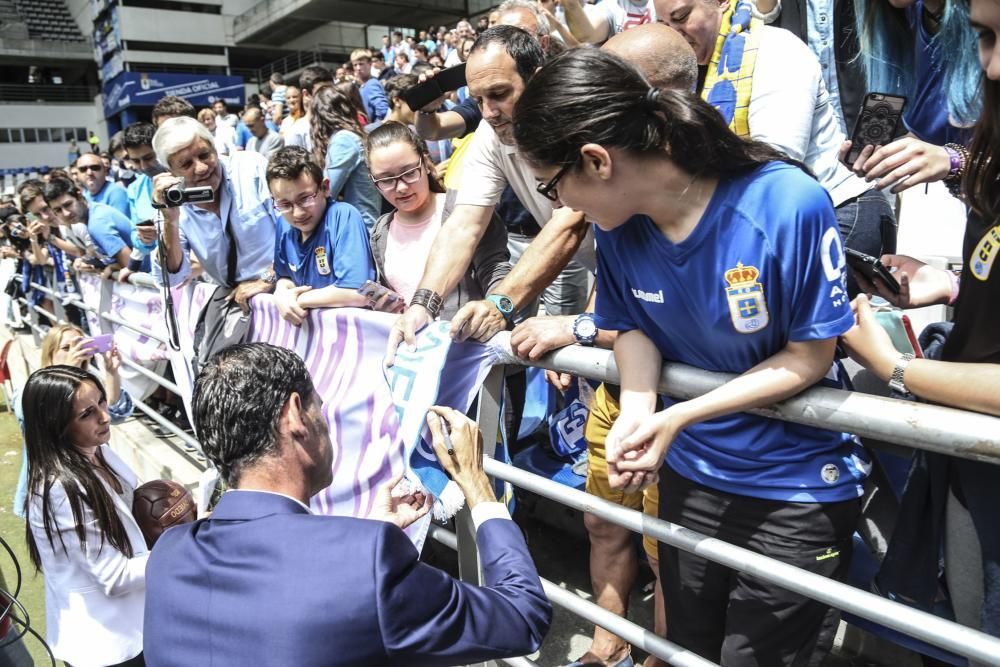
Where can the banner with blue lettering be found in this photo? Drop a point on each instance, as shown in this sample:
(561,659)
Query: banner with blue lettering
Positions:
(130,89)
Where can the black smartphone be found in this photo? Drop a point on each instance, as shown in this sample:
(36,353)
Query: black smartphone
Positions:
(145,223)
(443,82)
(876,124)
(871,268)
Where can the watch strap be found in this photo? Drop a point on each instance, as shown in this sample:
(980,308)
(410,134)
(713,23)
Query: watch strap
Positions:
(498,300)
(896,379)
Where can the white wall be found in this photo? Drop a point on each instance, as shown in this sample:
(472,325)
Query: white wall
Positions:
(167,58)
(48,115)
(350,34)
(179,27)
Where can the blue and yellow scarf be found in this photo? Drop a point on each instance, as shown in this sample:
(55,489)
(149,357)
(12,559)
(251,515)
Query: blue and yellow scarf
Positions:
(730,72)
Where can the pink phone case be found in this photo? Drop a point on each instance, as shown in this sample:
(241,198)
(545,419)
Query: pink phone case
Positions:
(101,344)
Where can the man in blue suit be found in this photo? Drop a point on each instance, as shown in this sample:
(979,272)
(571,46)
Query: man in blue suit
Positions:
(265,582)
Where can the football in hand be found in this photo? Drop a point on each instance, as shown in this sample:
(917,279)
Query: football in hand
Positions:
(160,504)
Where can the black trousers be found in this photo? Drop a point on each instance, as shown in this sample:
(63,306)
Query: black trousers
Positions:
(735,619)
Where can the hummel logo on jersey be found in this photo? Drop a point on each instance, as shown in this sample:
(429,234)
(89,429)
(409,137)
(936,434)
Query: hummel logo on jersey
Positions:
(651,297)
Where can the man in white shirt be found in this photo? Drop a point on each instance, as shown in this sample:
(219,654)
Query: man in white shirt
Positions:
(496,81)
(222,114)
(791,109)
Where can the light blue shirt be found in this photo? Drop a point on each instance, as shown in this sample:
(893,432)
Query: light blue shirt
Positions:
(246,201)
(111,194)
(109,228)
(821,42)
(140,198)
(348,174)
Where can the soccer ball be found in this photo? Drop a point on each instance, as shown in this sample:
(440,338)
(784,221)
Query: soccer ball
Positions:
(160,504)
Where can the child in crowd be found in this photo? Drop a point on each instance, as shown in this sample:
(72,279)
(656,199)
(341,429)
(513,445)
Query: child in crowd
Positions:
(321,254)
(402,170)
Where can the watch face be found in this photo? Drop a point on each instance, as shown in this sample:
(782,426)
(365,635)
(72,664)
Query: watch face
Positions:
(586,328)
(506,305)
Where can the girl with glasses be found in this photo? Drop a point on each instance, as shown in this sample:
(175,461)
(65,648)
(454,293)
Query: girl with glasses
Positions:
(402,170)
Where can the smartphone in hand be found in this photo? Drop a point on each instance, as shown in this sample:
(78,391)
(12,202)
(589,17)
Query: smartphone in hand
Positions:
(99,344)
(871,268)
(876,124)
(373,291)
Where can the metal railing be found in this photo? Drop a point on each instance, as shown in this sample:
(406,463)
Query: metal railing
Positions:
(44,49)
(191,449)
(293,62)
(933,428)
(31,92)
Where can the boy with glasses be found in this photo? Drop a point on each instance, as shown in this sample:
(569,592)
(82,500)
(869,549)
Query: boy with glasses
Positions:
(322,255)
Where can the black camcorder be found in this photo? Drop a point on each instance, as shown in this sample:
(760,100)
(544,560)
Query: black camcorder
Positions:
(178,195)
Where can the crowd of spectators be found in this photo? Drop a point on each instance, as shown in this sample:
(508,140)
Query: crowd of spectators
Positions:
(667,178)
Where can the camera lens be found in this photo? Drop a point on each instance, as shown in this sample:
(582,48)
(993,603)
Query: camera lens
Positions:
(174,195)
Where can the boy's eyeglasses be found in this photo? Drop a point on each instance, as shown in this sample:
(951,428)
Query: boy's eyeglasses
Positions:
(308,201)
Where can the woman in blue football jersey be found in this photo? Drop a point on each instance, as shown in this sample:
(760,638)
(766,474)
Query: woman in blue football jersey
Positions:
(721,253)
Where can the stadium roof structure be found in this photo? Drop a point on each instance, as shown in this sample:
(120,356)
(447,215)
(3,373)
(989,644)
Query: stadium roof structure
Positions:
(275,22)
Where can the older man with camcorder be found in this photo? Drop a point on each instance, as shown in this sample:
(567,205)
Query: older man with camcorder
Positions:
(220,211)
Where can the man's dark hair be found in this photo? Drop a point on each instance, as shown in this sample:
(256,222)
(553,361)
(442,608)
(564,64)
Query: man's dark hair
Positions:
(57,187)
(397,33)
(115,144)
(421,68)
(277,79)
(312,75)
(420,48)
(522,47)
(172,106)
(138,135)
(237,403)
(289,162)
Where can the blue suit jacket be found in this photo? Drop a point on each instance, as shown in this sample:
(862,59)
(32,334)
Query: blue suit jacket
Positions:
(263,582)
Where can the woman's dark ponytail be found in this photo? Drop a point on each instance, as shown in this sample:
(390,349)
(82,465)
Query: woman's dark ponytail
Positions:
(587,95)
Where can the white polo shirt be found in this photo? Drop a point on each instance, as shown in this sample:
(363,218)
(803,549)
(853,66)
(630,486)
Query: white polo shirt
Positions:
(490,165)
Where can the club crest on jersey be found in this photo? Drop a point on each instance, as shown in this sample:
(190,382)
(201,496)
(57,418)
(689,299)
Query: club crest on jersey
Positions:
(981,262)
(747,306)
(322,263)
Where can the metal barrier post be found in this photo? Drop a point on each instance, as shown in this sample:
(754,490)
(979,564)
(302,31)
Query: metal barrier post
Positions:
(488,417)
(34,323)
(57,303)
(107,292)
